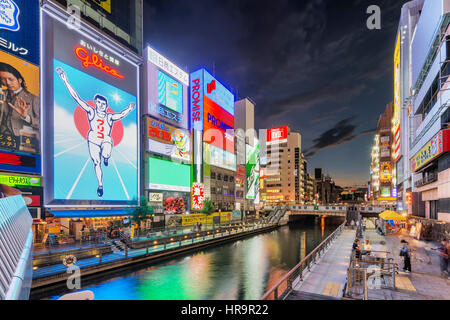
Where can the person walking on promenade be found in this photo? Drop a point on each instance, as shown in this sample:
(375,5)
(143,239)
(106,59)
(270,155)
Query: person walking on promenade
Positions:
(352,223)
(357,250)
(363,226)
(404,252)
(443,257)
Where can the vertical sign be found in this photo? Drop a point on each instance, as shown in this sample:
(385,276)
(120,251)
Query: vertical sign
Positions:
(397,103)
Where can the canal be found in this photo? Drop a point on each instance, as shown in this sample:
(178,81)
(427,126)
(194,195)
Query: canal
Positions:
(241,270)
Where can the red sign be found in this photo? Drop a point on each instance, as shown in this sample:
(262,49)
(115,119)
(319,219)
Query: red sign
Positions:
(218,126)
(241,172)
(96,61)
(32,200)
(277,135)
(198,196)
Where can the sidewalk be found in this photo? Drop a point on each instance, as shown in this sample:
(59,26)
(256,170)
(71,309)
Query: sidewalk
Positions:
(425,281)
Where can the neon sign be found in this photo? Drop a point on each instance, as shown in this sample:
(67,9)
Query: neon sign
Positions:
(96,61)
(198,196)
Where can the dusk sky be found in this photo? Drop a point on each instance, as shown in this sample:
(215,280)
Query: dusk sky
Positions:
(312,65)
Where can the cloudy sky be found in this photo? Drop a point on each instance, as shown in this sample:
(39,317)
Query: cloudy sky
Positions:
(311,64)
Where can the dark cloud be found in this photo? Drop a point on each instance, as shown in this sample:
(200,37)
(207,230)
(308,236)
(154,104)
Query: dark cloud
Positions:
(341,133)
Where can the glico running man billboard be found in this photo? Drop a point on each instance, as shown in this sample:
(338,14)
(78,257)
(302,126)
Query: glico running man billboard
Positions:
(91,121)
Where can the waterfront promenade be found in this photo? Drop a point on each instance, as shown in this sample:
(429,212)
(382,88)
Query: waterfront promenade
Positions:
(328,277)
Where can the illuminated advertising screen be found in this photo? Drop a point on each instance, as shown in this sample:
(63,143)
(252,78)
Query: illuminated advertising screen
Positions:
(218,126)
(92,121)
(385,172)
(167,90)
(434,148)
(277,135)
(167,140)
(198,195)
(206,89)
(216,92)
(19,85)
(220,158)
(252,168)
(19,105)
(397,102)
(385,192)
(19,29)
(169,176)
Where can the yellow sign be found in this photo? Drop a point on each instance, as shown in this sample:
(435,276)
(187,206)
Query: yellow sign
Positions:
(105,4)
(387,199)
(193,219)
(385,172)
(431,150)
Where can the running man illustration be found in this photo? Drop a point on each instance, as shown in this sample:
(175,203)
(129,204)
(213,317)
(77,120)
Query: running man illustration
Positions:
(101,123)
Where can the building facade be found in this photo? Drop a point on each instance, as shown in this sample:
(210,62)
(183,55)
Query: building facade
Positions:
(428,108)
(283,170)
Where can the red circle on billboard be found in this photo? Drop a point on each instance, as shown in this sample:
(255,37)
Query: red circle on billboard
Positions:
(81,120)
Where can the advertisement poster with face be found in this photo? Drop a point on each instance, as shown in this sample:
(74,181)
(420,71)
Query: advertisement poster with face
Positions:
(19,105)
(94,122)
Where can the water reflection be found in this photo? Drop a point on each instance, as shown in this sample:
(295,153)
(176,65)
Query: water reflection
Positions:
(241,270)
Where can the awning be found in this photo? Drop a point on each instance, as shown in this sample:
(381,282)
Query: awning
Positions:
(89,213)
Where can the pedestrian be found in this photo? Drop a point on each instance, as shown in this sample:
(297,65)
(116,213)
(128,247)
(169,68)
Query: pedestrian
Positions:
(357,224)
(357,251)
(352,223)
(367,247)
(404,252)
(443,257)
(364,226)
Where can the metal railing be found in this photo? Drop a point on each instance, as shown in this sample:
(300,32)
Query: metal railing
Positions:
(16,240)
(104,254)
(285,285)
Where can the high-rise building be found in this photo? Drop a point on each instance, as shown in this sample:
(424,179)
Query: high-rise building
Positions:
(403,117)
(284,166)
(428,106)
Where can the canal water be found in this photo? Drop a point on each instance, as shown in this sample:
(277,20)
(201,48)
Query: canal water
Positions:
(241,270)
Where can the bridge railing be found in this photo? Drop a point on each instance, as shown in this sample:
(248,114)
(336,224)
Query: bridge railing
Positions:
(285,285)
(16,240)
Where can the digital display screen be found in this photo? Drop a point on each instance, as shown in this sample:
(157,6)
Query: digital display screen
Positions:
(218,126)
(167,140)
(220,158)
(20,163)
(252,157)
(170,93)
(168,175)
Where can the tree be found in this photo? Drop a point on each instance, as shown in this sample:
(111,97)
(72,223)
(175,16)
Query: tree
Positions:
(208,207)
(143,212)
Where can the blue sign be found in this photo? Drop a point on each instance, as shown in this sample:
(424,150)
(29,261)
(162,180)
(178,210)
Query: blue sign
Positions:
(196,115)
(218,93)
(17,162)
(19,29)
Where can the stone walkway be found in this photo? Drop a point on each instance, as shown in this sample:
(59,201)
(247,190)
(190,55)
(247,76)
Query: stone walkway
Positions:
(427,284)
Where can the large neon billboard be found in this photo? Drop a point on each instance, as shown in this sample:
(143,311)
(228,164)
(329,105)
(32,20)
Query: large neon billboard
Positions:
(277,135)
(91,121)
(167,90)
